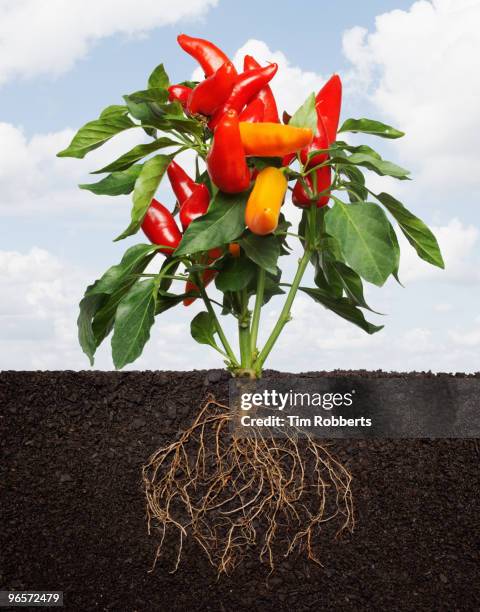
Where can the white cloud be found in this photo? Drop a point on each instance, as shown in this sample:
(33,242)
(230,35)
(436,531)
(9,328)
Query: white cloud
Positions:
(459,246)
(47,37)
(38,312)
(39,294)
(419,68)
(33,181)
(467,337)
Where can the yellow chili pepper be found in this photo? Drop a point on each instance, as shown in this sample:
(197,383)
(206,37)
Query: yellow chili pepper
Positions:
(273,139)
(265,201)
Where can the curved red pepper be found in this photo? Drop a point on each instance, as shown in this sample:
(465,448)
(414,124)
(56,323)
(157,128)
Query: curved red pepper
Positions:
(226,163)
(328,103)
(254,112)
(195,206)
(160,228)
(320,141)
(213,91)
(265,94)
(323,175)
(183,186)
(180,93)
(300,196)
(208,55)
(247,86)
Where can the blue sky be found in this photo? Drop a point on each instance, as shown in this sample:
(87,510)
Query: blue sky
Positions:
(407,63)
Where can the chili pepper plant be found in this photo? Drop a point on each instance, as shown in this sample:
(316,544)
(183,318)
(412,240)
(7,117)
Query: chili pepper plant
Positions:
(224,224)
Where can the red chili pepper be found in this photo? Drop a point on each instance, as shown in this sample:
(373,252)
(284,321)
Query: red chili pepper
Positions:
(254,112)
(287,159)
(183,186)
(226,161)
(195,206)
(300,196)
(160,227)
(328,103)
(320,141)
(265,94)
(208,55)
(213,91)
(247,86)
(323,175)
(207,276)
(179,93)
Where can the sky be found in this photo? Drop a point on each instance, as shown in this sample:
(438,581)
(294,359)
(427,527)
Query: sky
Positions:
(410,64)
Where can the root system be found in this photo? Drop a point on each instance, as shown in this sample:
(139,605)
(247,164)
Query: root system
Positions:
(232,494)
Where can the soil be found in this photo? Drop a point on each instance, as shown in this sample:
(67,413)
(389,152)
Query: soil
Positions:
(72,512)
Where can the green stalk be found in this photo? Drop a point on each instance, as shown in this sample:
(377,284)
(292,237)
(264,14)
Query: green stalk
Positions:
(244,332)
(285,313)
(257,309)
(218,327)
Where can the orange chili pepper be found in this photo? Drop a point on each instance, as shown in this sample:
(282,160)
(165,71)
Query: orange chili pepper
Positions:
(265,201)
(273,139)
(234,249)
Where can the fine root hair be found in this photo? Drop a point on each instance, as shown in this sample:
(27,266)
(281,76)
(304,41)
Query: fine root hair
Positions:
(232,494)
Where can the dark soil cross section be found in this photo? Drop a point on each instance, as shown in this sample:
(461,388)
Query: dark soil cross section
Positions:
(72,511)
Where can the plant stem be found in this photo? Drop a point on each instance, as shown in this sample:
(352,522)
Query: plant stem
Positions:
(285,313)
(257,309)
(244,331)
(221,335)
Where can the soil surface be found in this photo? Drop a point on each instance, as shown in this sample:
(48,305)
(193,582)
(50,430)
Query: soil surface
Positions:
(72,512)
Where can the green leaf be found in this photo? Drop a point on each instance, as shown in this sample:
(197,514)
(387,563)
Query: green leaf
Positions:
(352,284)
(370,126)
(379,166)
(356,183)
(153,95)
(343,308)
(203,329)
(103,319)
(159,78)
(415,230)
(396,250)
(358,149)
(141,111)
(138,152)
(326,276)
(89,305)
(363,233)
(92,135)
(306,115)
(116,183)
(114,110)
(165,302)
(236,274)
(133,321)
(183,125)
(101,297)
(145,187)
(223,223)
(263,250)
